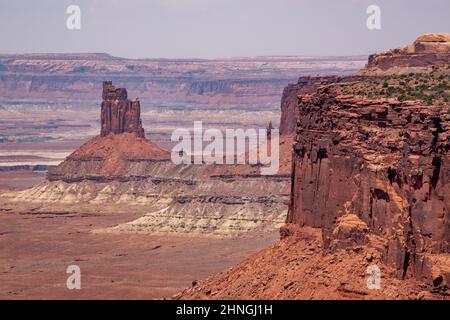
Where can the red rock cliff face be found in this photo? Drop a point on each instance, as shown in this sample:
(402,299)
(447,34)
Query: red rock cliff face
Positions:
(289,99)
(289,113)
(118,113)
(376,171)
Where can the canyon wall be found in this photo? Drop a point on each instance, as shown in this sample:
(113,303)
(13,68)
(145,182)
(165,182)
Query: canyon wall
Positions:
(305,84)
(289,100)
(380,167)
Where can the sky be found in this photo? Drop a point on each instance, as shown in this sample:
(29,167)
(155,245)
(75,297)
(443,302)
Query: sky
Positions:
(216,28)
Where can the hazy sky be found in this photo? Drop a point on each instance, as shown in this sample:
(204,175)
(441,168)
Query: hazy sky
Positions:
(216,28)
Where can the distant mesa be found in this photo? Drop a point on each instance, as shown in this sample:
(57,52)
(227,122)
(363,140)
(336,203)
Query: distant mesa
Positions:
(432,42)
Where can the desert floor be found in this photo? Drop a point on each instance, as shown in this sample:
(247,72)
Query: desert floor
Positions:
(36,249)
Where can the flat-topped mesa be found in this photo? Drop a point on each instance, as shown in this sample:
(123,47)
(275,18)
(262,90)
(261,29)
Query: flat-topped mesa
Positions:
(118,113)
(432,42)
(428,50)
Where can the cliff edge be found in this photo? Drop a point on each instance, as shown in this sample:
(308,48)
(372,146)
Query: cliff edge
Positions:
(369,191)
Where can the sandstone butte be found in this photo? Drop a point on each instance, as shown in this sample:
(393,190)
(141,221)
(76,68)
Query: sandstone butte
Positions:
(121,139)
(370,186)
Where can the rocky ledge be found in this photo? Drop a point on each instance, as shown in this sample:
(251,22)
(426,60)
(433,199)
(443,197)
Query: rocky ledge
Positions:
(305,84)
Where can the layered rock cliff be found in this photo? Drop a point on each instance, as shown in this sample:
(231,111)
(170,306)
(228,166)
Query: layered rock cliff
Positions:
(289,99)
(238,80)
(370,189)
(382,162)
(428,50)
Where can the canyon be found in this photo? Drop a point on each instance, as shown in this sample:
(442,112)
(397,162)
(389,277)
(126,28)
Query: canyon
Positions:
(121,170)
(49,102)
(363,183)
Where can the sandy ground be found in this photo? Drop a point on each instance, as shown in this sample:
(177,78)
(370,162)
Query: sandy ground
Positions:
(35,251)
(297,267)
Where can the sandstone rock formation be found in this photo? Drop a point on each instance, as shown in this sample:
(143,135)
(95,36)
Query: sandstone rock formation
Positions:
(289,99)
(432,43)
(118,113)
(107,158)
(121,170)
(426,51)
(384,161)
(370,186)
